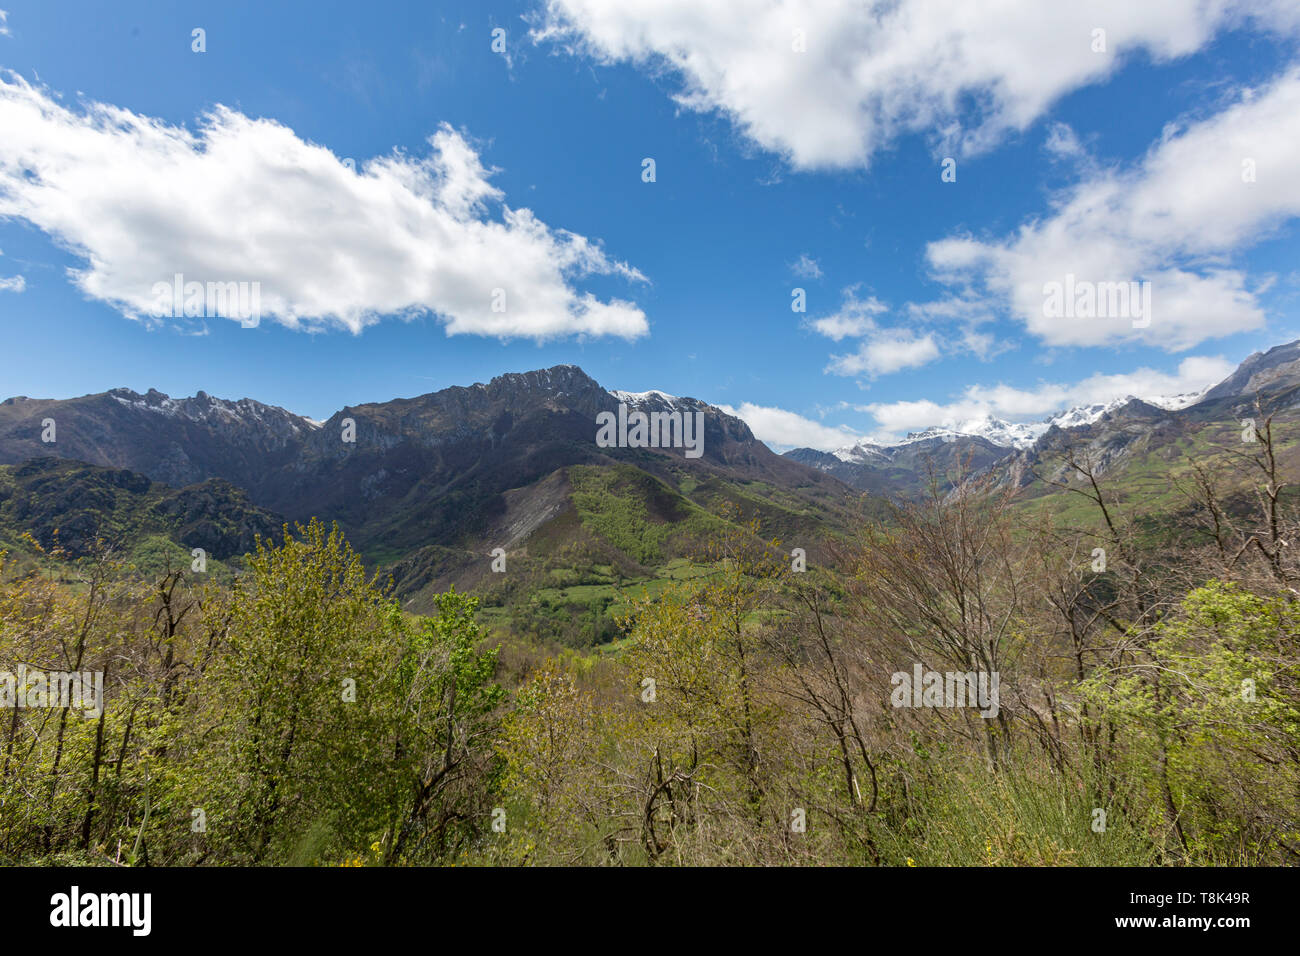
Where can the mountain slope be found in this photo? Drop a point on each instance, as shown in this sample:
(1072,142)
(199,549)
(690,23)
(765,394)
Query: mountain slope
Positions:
(74,505)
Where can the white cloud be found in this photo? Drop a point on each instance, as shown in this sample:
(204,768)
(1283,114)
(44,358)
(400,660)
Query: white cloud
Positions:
(4,25)
(854,318)
(806,267)
(245,199)
(891,352)
(783,429)
(880,350)
(967,312)
(11,283)
(1173,220)
(964,73)
(1062,141)
(1034,404)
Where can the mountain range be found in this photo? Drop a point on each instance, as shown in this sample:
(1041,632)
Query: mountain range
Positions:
(425,487)
(428,487)
(1108,431)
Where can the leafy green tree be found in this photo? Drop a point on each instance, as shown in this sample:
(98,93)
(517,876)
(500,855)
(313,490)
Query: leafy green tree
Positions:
(285,718)
(444,694)
(1209,721)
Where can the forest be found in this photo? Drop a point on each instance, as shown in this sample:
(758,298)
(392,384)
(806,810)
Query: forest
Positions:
(1146,670)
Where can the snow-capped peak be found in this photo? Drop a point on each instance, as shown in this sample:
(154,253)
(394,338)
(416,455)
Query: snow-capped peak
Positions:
(1172,403)
(655,400)
(640,398)
(1087,414)
(995,430)
(856,454)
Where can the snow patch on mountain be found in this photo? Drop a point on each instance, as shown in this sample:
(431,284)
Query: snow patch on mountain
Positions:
(657,401)
(204,408)
(860,453)
(1002,433)
(1172,403)
(642,398)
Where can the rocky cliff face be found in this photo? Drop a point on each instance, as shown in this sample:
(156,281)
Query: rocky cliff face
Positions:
(176,441)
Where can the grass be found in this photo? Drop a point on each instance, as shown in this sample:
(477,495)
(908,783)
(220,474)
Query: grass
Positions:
(1024,815)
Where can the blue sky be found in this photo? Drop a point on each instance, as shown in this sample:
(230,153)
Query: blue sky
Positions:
(126,157)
